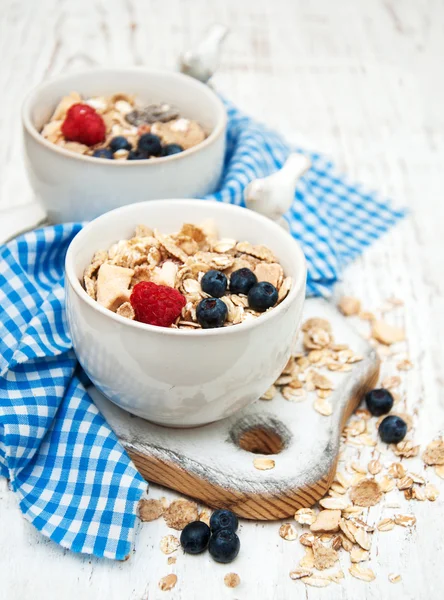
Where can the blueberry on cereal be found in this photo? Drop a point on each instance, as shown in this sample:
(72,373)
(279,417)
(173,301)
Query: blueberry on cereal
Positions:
(171,149)
(103,153)
(119,143)
(262,295)
(242,280)
(214,283)
(150,144)
(211,313)
(136,155)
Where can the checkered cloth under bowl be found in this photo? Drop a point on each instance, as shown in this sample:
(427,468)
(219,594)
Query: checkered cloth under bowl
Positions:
(74,481)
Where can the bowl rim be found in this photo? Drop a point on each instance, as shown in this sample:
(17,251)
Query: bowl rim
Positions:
(34,93)
(298,283)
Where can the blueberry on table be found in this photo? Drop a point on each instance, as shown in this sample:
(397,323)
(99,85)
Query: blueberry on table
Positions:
(171,149)
(211,313)
(119,143)
(103,153)
(136,155)
(223,519)
(224,546)
(214,283)
(392,429)
(150,144)
(262,295)
(195,537)
(242,280)
(379,402)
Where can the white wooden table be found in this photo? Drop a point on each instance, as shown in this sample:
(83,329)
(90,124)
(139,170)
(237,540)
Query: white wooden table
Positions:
(361,81)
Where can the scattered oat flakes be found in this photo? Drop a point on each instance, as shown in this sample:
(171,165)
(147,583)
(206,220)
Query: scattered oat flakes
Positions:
(387,334)
(321,382)
(151,509)
(404,365)
(366,574)
(391,382)
(317,581)
(305,516)
(299,573)
(169,544)
(393,578)
(205,516)
(334,503)
(366,493)
(171,560)
(168,582)
(307,539)
(406,448)
(323,407)
(405,520)
(386,484)
(396,470)
(232,580)
(386,525)
(324,558)
(374,467)
(404,483)
(431,492)
(180,513)
(307,561)
(434,453)
(348,530)
(349,306)
(362,537)
(439,470)
(264,464)
(359,554)
(327,521)
(269,394)
(288,532)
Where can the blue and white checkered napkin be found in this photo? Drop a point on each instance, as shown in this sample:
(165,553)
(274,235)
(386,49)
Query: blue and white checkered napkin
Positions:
(74,481)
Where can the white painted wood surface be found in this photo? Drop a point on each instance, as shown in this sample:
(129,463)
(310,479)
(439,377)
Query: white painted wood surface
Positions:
(362,81)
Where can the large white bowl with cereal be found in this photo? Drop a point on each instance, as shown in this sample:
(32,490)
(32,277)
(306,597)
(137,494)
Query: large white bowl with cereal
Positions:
(73,186)
(173,376)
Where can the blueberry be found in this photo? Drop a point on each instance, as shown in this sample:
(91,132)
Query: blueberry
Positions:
(119,143)
(263,295)
(103,153)
(242,280)
(171,149)
(150,144)
(214,283)
(195,537)
(223,519)
(224,545)
(211,312)
(379,402)
(392,429)
(136,155)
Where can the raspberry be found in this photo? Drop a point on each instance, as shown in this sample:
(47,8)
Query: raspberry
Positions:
(156,304)
(82,124)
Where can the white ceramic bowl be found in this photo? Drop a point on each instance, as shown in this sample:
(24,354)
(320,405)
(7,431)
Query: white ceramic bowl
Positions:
(73,187)
(173,377)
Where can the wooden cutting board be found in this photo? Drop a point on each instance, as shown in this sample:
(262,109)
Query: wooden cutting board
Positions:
(214,463)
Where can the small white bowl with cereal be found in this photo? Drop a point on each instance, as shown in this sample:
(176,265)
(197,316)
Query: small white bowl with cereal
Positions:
(184,311)
(103,138)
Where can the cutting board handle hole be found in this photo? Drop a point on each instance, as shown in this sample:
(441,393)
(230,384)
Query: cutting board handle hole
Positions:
(260,435)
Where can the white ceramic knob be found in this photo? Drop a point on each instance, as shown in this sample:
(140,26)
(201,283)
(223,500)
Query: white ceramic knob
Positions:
(273,196)
(202,61)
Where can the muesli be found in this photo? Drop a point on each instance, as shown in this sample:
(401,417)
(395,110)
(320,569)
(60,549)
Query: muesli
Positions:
(120,128)
(186,280)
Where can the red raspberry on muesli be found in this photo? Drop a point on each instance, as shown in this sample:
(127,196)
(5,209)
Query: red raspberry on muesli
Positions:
(156,304)
(84,125)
